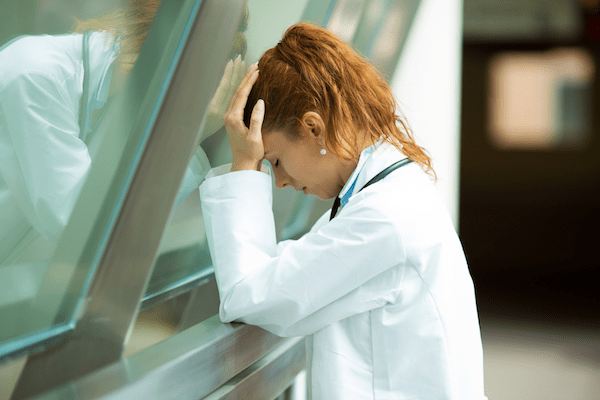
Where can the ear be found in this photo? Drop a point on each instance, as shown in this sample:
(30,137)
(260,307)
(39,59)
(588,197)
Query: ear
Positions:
(314,126)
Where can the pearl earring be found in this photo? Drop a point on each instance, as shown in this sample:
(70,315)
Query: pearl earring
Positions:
(323,152)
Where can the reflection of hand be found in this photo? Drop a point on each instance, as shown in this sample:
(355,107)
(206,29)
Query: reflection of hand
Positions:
(233,75)
(247,149)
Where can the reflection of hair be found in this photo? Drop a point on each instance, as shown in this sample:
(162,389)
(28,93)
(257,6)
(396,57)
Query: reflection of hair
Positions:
(313,70)
(131,24)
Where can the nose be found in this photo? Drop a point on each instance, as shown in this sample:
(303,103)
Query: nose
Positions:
(281,179)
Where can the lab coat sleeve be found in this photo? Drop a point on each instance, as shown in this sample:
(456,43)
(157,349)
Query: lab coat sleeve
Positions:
(43,161)
(347,266)
(320,222)
(195,172)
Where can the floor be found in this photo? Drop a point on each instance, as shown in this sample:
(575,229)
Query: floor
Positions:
(532,361)
(541,339)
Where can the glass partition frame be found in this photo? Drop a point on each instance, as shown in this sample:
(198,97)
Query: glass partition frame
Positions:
(122,246)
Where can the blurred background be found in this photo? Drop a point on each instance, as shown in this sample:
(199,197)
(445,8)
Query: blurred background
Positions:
(505,95)
(530,192)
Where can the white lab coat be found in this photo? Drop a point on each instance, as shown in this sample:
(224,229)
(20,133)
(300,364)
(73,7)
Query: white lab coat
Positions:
(43,160)
(382,292)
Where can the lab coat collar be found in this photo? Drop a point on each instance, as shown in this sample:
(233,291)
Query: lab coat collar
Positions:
(103,50)
(373,160)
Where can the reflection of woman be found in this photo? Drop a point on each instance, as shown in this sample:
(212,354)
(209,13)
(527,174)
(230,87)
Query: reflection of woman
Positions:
(46,138)
(382,291)
(43,160)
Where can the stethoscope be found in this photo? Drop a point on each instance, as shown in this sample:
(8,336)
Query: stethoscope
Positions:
(342,201)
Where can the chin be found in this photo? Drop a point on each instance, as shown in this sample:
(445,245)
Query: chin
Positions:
(322,196)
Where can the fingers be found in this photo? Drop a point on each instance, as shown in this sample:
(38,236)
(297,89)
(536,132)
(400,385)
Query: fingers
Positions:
(237,74)
(220,96)
(241,95)
(251,70)
(256,120)
(247,149)
(235,113)
(229,83)
(246,143)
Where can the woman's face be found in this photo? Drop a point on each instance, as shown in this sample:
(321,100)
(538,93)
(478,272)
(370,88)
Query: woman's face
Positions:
(299,164)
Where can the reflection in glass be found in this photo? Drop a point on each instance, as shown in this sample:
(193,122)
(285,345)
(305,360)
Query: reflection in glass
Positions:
(69,102)
(55,93)
(344,18)
(53,89)
(377,29)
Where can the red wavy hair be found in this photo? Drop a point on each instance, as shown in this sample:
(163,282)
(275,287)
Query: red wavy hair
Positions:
(313,70)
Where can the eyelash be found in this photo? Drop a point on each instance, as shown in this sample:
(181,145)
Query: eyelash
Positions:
(276,163)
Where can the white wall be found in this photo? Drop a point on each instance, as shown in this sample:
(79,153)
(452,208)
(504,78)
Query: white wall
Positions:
(262,36)
(427,86)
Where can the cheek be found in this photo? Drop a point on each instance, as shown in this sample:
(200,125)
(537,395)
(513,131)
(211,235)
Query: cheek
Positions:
(323,182)
(305,176)
(304,168)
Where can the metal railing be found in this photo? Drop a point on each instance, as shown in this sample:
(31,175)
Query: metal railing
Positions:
(210,360)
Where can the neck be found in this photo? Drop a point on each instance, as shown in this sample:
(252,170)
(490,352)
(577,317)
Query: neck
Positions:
(347,169)
(348,166)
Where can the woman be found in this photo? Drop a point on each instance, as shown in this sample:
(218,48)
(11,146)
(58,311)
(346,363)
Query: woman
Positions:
(380,289)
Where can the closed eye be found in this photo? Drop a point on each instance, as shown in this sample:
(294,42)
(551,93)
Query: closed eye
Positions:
(276,163)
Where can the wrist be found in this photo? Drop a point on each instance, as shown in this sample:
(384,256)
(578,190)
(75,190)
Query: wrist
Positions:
(246,166)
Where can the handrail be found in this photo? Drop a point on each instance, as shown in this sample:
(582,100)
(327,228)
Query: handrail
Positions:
(193,364)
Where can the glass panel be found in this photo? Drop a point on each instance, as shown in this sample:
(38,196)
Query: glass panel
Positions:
(75,109)
(376,28)
(541,100)
(184,259)
(344,18)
